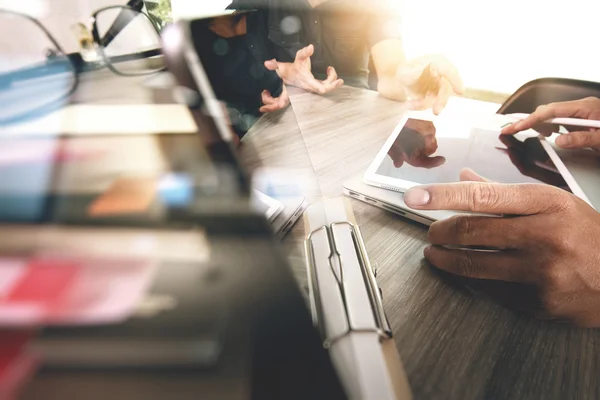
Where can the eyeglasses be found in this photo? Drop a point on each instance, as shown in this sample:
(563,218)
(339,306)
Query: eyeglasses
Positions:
(128,40)
(37,76)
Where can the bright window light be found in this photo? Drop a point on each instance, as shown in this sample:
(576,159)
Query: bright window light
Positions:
(498,46)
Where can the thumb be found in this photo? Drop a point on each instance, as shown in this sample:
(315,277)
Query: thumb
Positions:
(579,140)
(305,53)
(271,65)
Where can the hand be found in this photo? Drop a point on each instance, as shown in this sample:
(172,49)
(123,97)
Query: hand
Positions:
(299,73)
(415,144)
(274,103)
(549,262)
(430,81)
(578,138)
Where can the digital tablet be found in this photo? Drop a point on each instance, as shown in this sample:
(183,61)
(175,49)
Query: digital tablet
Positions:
(422,151)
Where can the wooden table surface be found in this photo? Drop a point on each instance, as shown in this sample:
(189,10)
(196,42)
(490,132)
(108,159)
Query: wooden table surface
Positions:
(453,344)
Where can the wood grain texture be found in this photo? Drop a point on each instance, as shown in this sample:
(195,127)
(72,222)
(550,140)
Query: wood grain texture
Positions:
(343,131)
(454,344)
(275,142)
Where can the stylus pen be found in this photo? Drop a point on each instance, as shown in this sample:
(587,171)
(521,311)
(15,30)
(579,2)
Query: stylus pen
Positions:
(588,123)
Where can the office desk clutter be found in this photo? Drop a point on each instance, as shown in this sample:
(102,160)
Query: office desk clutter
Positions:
(137,256)
(173,221)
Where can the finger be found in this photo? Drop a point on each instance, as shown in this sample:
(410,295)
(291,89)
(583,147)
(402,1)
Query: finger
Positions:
(442,97)
(430,80)
(421,104)
(425,128)
(431,144)
(467,174)
(332,82)
(544,113)
(270,108)
(284,99)
(271,65)
(542,128)
(305,53)
(315,86)
(397,155)
(270,104)
(477,230)
(429,162)
(579,140)
(331,75)
(494,198)
(503,266)
(334,85)
(266,96)
(511,142)
(450,73)
(447,71)
(428,83)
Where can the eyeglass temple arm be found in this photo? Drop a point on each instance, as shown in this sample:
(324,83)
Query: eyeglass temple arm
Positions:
(122,20)
(43,70)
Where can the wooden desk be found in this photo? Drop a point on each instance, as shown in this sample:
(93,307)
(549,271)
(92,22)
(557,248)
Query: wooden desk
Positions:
(453,344)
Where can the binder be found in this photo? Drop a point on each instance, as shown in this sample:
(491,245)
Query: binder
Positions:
(347,307)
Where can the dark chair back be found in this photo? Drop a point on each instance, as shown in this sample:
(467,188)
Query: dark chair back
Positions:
(548,90)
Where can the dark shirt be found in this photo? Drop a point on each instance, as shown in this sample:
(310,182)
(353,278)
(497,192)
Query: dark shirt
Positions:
(235,69)
(342,31)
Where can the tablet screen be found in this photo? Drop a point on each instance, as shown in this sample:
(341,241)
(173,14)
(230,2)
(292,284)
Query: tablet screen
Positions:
(427,152)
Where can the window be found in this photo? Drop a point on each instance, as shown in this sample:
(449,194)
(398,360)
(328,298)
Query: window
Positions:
(498,46)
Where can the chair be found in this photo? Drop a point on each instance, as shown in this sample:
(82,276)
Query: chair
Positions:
(547,90)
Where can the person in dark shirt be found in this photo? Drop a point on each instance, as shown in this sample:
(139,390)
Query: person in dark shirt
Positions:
(234,59)
(318,45)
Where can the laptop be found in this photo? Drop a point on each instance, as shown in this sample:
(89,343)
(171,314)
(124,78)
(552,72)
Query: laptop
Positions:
(388,200)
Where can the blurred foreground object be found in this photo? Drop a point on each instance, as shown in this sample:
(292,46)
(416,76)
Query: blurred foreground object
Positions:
(37,77)
(35,73)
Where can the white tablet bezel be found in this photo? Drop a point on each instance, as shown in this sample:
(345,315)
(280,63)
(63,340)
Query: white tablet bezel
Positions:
(564,171)
(372,178)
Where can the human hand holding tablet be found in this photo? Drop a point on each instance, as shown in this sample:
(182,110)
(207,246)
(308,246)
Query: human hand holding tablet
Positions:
(524,158)
(545,254)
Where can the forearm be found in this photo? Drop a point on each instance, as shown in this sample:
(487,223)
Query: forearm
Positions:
(390,87)
(387,58)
